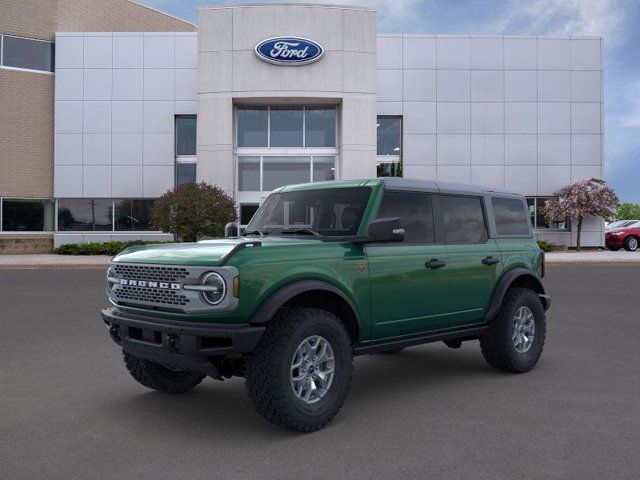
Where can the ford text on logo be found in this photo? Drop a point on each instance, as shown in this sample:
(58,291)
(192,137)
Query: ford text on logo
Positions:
(289,51)
(144,283)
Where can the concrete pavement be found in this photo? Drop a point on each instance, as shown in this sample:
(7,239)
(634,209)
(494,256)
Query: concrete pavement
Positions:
(71,411)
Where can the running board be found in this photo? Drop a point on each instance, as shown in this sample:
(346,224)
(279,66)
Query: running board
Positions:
(466,334)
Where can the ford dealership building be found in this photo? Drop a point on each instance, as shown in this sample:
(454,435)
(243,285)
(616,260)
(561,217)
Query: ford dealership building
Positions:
(266,95)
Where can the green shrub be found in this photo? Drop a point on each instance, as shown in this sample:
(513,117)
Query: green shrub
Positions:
(547,246)
(96,248)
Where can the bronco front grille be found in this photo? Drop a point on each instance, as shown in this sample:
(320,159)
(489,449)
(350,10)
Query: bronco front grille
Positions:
(152,272)
(151,295)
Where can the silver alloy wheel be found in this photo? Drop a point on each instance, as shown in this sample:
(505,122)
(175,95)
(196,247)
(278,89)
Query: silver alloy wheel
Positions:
(524,329)
(633,243)
(312,369)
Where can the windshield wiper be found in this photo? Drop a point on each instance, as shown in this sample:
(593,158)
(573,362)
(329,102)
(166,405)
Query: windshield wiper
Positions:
(255,232)
(301,231)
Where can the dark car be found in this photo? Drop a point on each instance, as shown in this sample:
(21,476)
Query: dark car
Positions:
(627,237)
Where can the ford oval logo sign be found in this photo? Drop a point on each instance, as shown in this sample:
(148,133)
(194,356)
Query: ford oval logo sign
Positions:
(289,51)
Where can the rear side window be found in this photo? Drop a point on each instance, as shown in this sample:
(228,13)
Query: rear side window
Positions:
(463,219)
(511,217)
(414,209)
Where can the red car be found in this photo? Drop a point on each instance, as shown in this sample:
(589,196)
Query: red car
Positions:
(627,237)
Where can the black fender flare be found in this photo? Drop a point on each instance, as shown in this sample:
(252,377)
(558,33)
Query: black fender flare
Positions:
(277,299)
(506,281)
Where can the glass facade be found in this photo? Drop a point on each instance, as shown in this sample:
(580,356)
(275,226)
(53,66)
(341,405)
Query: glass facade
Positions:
(266,173)
(27,54)
(538,219)
(84,214)
(133,215)
(286,127)
(27,215)
(253,126)
(185,145)
(389,146)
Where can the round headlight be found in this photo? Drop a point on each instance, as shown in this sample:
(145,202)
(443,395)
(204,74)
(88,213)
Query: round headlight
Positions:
(216,288)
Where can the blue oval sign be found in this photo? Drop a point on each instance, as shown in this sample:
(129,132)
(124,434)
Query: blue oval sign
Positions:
(289,51)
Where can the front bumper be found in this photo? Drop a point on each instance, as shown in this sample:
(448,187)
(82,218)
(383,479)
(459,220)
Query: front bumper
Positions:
(614,241)
(184,345)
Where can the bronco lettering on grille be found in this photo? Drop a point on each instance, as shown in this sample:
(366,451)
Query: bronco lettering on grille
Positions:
(148,284)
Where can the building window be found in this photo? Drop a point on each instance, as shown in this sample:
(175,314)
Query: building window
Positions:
(253,127)
(133,215)
(22,215)
(87,215)
(286,126)
(389,146)
(186,160)
(27,54)
(247,211)
(536,213)
(267,172)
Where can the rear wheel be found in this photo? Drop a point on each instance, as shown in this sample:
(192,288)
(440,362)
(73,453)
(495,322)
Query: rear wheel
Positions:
(515,338)
(299,375)
(158,377)
(631,244)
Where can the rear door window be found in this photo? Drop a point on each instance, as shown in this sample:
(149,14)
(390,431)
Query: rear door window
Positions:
(463,219)
(414,209)
(510,215)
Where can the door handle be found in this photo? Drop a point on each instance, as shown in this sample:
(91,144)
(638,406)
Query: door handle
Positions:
(434,263)
(490,260)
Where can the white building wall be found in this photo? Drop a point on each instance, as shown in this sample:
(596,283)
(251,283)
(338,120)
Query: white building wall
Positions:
(116,96)
(524,113)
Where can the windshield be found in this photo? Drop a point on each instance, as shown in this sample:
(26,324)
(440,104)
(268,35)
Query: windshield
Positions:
(324,212)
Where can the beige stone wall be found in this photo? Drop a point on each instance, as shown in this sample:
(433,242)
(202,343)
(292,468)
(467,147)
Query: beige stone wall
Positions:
(26,99)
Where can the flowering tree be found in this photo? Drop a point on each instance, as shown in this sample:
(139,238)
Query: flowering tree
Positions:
(584,198)
(192,211)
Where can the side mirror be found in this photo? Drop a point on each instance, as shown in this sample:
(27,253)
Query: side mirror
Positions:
(231,230)
(385,230)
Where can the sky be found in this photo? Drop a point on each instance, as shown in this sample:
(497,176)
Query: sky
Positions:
(618,21)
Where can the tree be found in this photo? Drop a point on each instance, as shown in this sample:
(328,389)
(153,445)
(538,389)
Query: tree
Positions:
(192,211)
(584,198)
(628,211)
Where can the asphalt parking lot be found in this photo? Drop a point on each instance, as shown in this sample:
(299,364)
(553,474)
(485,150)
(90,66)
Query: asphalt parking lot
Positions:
(68,408)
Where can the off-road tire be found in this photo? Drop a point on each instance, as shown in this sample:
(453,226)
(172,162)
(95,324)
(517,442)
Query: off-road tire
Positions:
(268,375)
(628,241)
(157,377)
(497,344)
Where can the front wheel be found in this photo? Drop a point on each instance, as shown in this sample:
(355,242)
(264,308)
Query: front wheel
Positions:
(299,375)
(158,377)
(631,244)
(515,337)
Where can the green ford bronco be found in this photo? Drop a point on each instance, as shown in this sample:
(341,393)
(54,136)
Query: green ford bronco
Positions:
(326,271)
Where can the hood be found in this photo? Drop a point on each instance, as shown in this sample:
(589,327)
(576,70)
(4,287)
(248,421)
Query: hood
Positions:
(205,252)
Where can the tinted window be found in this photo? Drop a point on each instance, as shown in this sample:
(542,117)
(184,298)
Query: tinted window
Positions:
(253,126)
(25,53)
(133,214)
(323,169)
(248,174)
(279,171)
(510,215)
(414,209)
(389,132)
(27,215)
(328,211)
(247,211)
(286,126)
(185,173)
(85,214)
(463,219)
(320,127)
(186,135)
